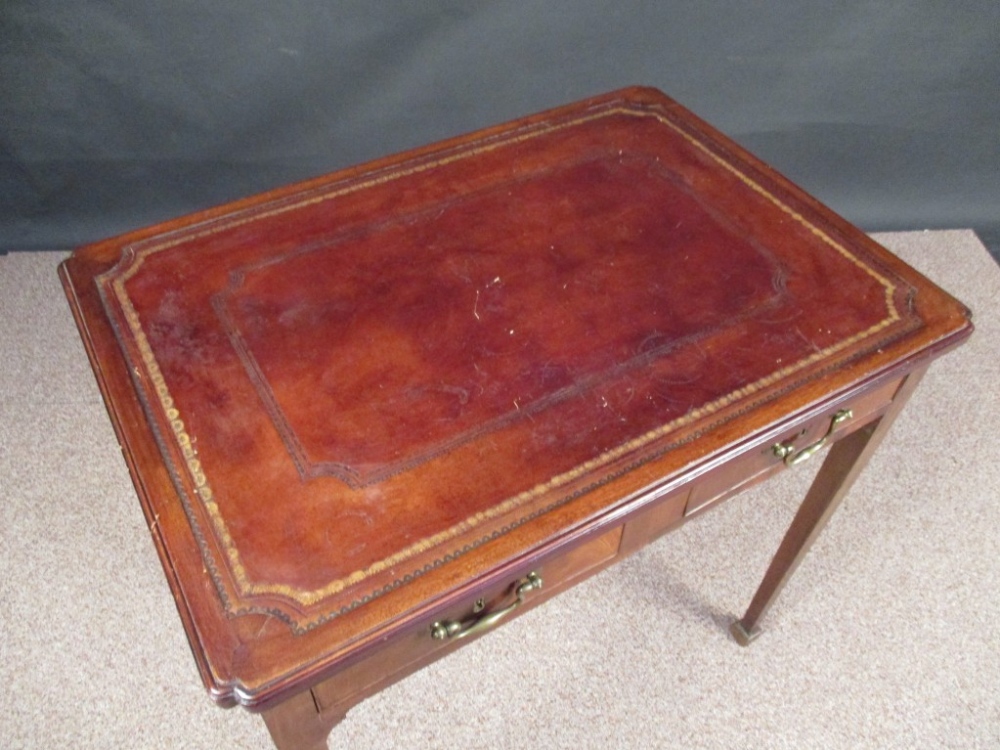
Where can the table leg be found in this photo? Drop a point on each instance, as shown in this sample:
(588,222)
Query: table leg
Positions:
(300,724)
(845,461)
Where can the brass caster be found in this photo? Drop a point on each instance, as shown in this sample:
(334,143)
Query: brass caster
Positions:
(741,635)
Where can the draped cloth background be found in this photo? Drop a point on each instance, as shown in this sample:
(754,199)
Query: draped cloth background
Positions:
(119,114)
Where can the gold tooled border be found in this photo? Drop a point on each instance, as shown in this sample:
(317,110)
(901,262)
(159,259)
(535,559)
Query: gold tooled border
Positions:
(132,261)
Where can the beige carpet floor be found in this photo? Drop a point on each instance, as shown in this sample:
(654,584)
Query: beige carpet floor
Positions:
(888,637)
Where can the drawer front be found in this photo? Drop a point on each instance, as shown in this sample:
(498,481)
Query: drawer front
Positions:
(420,646)
(652,522)
(533,587)
(761,461)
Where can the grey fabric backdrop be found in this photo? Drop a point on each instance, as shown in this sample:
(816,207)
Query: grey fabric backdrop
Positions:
(117,114)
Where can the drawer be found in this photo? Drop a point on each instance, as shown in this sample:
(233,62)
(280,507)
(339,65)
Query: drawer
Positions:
(553,575)
(761,460)
(420,646)
(654,521)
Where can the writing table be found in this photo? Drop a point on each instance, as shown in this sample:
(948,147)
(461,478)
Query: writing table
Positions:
(373,415)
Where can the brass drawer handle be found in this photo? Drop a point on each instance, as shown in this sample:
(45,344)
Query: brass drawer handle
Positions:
(445,629)
(786,451)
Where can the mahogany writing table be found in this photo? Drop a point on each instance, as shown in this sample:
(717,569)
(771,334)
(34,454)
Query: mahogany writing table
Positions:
(373,415)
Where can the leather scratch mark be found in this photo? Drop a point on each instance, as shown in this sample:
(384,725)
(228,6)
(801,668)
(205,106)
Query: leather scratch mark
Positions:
(779,280)
(454,390)
(805,338)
